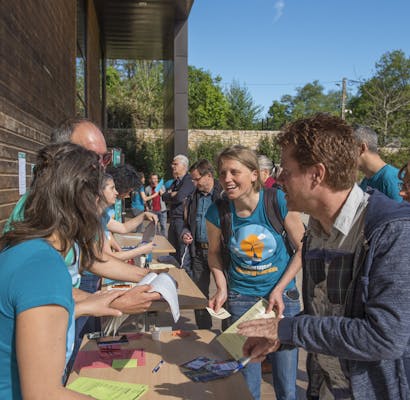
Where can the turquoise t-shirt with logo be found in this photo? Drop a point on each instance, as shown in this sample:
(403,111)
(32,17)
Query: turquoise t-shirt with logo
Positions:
(258,253)
(32,274)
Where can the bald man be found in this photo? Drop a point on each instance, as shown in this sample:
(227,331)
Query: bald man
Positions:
(85,133)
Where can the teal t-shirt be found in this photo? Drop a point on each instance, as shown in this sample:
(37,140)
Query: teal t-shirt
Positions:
(385,180)
(72,259)
(136,199)
(258,253)
(32,274)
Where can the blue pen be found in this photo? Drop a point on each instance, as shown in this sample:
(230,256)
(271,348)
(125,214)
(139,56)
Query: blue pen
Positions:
(158,366)
(242,363)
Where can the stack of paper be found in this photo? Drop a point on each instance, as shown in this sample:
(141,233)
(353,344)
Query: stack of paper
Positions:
(103,390)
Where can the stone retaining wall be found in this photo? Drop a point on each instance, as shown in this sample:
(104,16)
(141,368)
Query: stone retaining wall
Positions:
(197,136)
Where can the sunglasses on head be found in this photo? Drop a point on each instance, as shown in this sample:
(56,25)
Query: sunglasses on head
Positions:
(105,158)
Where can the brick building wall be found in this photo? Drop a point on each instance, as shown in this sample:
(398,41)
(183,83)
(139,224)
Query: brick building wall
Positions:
(37,83)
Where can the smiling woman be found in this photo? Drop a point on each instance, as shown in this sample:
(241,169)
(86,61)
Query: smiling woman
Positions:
(260,265)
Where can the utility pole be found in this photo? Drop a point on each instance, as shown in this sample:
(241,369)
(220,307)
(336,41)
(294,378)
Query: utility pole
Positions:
(343,98)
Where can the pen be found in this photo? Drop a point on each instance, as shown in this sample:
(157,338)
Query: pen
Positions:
(242,363)
(158,366)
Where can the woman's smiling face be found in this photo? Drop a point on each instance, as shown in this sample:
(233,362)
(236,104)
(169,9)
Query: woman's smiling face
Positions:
(236,179)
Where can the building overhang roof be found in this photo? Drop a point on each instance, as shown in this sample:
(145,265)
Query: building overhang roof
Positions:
(140,29)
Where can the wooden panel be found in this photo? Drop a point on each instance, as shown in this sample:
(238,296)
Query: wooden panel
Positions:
(9,196)
(37,83)
(93,65)
(5,211)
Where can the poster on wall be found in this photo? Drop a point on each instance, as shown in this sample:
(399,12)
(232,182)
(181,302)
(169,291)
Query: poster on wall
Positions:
(22,172)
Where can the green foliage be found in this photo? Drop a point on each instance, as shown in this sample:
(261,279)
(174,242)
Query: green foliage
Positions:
(268,146)
(396,158)
(135,92)
(242,113)
(151,157)
(383,102)
(309,99)
(207,105)
(208,149)
(280,115)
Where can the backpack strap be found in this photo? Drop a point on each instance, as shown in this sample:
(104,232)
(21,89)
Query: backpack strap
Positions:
(270,199)
(275,217)
(225,218)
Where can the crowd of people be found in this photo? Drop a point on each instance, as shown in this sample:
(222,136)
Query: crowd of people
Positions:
(245,230)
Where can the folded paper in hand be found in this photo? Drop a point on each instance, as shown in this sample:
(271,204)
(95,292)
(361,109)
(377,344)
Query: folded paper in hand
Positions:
(231,340)
(221,314)
(162,283)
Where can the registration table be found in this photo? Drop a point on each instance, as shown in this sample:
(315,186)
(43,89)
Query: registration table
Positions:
(160,243)
(189,295)
(168,382)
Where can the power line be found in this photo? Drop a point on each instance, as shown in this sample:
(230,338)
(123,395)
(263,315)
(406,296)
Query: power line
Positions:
(349,81)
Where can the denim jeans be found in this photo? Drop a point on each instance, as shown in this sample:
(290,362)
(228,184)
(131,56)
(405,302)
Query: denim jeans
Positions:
(284,363)
(201,276)
(162,222)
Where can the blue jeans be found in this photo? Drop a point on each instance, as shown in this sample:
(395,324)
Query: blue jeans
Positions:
(162,225)
(284,363)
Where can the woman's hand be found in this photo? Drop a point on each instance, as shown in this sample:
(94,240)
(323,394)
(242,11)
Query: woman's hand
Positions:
(218,300)
(98,304)
(276,302)
(136,300)
(151,217)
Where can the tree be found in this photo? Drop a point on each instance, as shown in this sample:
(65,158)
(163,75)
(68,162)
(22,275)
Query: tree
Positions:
(383,102)
(279,114)
(207,105)
(309,99)
(269,147)
(208,149)
(242,113)
(135,92)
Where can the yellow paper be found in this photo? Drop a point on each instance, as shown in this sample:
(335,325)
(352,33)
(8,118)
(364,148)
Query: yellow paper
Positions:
(108,390)
(231,340)
(125,363)
(160,266)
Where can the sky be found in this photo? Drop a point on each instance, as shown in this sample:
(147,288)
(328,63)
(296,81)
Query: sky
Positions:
(275,46)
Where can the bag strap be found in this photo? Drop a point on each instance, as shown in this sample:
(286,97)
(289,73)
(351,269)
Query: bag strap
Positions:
(270,199)
(225,218)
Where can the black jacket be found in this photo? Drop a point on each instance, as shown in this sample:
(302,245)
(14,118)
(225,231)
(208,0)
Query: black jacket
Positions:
(190,212)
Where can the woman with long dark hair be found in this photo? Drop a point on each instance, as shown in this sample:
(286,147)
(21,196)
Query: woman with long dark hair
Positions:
(36,304)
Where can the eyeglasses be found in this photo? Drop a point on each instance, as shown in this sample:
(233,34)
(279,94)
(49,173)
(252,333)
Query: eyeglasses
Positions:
(105,158)
(197,179)
(404,186)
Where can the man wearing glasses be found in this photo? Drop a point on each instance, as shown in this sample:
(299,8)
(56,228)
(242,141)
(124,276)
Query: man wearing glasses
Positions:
(195,234)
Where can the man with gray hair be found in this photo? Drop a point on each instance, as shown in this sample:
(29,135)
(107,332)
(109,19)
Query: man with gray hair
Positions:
(175,197)
(378,174)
